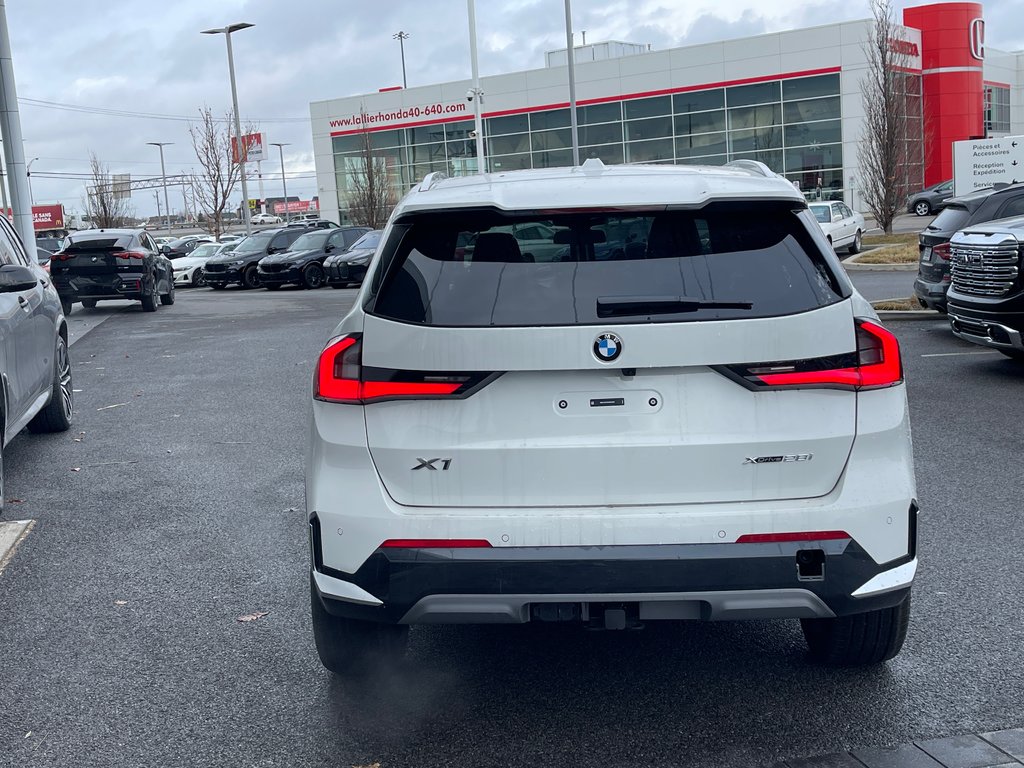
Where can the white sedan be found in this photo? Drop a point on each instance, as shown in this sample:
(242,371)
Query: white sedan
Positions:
(188,270)
(265,218)
(842,227)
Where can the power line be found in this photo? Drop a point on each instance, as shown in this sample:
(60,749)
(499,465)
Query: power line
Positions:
(111,112)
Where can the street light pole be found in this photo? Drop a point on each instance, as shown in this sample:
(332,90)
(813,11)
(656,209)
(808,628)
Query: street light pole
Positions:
(401,37)
(28,175)
(570,55)
(280,151)
(163,173)
(478,95)
(226,31)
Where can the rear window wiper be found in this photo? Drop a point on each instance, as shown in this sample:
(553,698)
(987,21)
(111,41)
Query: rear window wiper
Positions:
(614,306)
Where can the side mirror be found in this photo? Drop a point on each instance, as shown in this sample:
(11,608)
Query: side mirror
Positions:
(329,247)
(15,278)
(165,249)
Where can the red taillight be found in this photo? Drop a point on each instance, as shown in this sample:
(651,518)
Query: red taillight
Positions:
(941,251)
(341,378)
(434,543)
(130,255)
(62,256)
(877,365)
(773,538)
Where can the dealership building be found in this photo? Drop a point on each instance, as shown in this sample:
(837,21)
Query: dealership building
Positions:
(791,99)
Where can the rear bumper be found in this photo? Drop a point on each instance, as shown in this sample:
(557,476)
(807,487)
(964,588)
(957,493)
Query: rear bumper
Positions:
(508,585)
(123,285)
(931,294)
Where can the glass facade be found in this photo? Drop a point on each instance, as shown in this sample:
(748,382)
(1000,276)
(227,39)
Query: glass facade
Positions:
(792,125)
(997,109)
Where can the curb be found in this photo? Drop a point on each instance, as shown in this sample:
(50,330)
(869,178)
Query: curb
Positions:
(910,314)
(855,267)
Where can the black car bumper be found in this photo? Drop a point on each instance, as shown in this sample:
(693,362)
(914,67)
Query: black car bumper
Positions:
(683,581)
(342,274)
(931,294)
(290,275)
(222,278)
(123,285)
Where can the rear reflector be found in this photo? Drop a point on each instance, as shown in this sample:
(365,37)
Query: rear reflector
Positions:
(771,538)
(875,364)
(341,377)
(434,543)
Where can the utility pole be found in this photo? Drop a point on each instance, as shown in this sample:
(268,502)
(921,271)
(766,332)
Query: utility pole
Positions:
(477,94)
(570,55)
(284,182)
(226,31)
(401,37)
(163,173)
(14,146)
(156,194)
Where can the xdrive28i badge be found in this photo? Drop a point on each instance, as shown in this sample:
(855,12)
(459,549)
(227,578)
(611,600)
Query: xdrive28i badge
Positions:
(607,347)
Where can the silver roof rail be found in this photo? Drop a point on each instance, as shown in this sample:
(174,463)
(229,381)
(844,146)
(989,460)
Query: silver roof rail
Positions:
(431,179)
(752,166)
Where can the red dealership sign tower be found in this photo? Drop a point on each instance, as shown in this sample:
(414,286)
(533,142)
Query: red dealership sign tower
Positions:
(953,88)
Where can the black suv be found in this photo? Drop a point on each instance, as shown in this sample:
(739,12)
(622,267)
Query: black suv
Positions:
(239,266)
(933,243)
(986,298)
(303,263)
(112,264)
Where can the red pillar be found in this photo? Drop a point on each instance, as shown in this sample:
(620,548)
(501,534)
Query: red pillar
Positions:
(952,45)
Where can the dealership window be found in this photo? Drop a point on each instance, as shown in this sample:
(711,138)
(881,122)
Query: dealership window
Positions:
(755,93)
(508,145)
(997,109)
(497,126)
(700,144)
(550,118)
(700,122)
(698,101)
(510,162)
(600,113)
(609,154)
(652,128)
(649,151)
(556,158)
(560,138)
(653,107)
(810,87)
(824,132)
(600,134)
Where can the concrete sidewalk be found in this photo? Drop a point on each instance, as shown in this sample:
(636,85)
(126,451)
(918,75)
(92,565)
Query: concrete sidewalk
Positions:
(997,749)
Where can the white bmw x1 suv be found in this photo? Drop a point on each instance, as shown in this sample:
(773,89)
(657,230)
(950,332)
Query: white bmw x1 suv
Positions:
(679,408)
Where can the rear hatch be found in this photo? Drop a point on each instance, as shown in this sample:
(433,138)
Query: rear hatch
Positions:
(607,375)
(100,256)
(933,242)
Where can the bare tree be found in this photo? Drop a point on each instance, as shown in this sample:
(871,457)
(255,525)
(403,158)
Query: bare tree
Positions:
(104,207)
(372,197)
(219,173)
(889,152)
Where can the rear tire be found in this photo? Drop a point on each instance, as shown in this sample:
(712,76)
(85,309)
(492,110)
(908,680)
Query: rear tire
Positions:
(860,639)
(855,245)
(56,416)
(168,298)
(88,303)
(349,647)
(149,301)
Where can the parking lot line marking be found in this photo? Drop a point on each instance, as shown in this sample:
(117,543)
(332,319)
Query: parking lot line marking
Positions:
(957,354)
(11,535)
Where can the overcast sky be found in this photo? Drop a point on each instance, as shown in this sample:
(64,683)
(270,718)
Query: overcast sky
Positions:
(148,57)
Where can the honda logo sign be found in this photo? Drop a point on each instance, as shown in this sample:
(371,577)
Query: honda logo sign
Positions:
(977,35)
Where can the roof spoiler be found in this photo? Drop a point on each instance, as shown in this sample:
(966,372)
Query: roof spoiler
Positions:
(753,167)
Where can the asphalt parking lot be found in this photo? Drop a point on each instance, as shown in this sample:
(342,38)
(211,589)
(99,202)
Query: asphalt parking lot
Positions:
(175,506)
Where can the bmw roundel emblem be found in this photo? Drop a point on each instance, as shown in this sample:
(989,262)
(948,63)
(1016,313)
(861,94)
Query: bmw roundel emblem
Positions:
(607,347)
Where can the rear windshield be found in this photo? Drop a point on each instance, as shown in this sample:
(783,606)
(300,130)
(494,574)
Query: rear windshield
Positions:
(488,268)
(822,213)
(121,242)
(950,219)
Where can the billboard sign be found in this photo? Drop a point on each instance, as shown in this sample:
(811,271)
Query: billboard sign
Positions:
(44,216)
(255,145)
(980,163)
(122,186)
(294,206)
